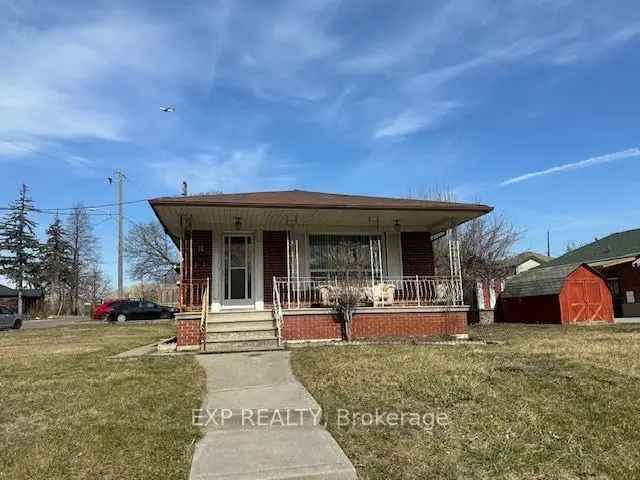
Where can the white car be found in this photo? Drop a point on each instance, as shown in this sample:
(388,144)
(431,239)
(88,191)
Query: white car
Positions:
(9,319)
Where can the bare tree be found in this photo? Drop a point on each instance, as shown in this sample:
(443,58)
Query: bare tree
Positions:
(150,254)
(94,286)
(570,246)
(348,261)
(346,298)
(84,250)
(484,244)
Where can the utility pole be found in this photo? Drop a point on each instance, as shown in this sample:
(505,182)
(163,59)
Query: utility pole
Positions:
(120,177)
(548,245)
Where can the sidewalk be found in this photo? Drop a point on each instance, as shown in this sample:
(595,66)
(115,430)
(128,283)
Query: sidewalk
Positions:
(627,320)
(262,424)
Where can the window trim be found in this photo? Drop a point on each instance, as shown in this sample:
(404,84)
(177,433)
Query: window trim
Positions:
(366,273)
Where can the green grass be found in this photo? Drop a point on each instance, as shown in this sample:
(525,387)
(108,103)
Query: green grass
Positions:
(68,411)
(550,403)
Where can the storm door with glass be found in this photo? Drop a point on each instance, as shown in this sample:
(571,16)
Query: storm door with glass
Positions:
(237,278)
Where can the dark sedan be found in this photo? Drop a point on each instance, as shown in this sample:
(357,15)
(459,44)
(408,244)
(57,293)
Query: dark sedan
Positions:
(124,310)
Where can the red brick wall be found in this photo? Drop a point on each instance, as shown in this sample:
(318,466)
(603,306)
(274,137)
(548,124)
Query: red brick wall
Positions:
(274,251)
(319,326)
(629,279)
(417,253)
(372,325)
(188,332)
(202,255)
(202,261)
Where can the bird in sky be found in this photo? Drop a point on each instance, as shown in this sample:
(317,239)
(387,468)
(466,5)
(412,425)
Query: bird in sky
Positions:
(168,109)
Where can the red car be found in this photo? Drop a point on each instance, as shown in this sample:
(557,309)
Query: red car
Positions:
(102,311)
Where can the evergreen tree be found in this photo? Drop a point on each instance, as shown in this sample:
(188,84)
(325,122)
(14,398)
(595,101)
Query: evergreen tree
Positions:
(19,246)
(56,264)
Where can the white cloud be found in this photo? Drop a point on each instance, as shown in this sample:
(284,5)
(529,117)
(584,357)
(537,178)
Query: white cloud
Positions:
(412,121)
(589,162)
(586,48)
(227,171)
(96,77)
(279,54)
(423,60)
(100,72)
(17,149)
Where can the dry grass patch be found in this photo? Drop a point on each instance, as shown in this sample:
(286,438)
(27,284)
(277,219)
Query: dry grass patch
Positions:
(550,403)
(71,412)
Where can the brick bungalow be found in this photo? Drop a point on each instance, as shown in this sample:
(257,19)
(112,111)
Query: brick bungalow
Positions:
(271,263)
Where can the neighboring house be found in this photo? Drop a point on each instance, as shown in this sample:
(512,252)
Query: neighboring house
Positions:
(488,291)
(30,299)
(270,262)
(570,293)
(616,258)
(524,261)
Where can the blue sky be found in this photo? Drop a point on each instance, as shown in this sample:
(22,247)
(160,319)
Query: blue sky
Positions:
(370,97)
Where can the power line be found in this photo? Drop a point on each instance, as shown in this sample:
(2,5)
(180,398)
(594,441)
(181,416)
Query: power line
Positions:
(104,205)
(86,207)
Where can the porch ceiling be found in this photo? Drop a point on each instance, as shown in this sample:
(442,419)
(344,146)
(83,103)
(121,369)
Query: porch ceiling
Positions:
(206,217)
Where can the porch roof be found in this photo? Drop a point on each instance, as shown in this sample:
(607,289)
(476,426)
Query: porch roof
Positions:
(306,199)
(298,207)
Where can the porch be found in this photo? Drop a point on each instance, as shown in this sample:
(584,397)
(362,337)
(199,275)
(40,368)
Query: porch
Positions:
(291,254)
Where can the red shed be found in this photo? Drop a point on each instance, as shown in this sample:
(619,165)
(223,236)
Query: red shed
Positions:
(564,294)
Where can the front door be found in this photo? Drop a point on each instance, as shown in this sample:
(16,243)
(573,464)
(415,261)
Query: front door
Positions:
(237,265)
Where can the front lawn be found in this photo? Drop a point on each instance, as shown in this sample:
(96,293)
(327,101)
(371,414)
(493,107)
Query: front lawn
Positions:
(551,403)
(68,411)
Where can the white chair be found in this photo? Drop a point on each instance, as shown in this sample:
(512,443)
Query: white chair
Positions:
(383,294)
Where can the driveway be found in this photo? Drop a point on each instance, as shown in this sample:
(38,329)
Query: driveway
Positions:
(261,423)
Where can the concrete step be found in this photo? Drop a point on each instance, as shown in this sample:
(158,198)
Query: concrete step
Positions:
(240,316)
(242,346)
(241,336)
(240,326)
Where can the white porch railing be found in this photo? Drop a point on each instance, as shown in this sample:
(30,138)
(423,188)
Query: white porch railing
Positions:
(418,291)
(277,310)
(203,317)
(191,293)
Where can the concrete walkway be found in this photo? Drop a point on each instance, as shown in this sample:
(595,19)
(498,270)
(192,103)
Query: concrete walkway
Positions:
(261,423)
(627,319)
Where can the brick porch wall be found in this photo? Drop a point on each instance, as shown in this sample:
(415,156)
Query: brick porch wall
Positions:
(417,253)
(202,255)
(188,332)
(274,257)
(324,326)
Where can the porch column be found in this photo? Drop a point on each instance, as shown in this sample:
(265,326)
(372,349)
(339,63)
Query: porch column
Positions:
(258,270)
(217,252)
(455,266)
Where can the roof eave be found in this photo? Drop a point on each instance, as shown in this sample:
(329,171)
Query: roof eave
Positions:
(444,208)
